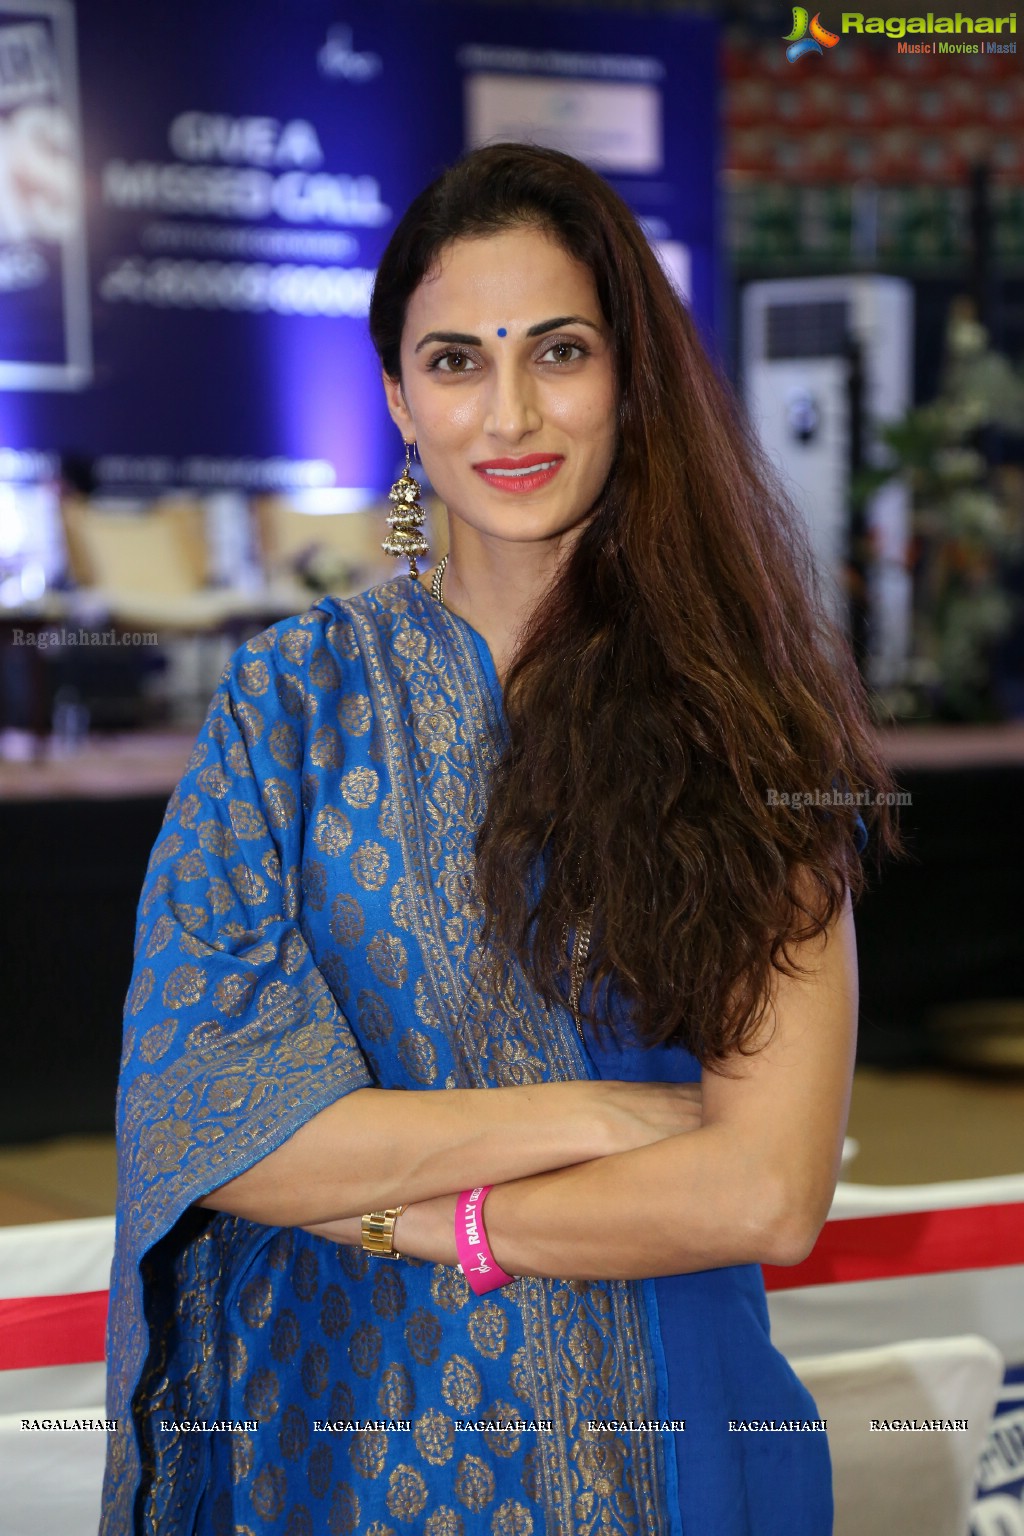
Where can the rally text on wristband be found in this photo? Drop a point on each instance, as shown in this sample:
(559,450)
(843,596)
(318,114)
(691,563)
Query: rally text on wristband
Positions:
(479,1265)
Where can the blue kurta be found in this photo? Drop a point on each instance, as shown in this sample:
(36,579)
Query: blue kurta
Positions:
(309,926)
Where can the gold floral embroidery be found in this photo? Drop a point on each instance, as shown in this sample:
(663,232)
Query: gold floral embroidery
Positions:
(488,1329)
(460,1384)
(332,830)
(387,959)
(187,810)
(325,748)
(388,1297)
(285,1336)
(407,1492)
(343,1515)
(335,1311)
(400,912)
(279,799)
(160,936)
(251,887)
(450,1288)
(262,1394)
(502,1442)
(364,1349)
(214,782)
(418,1056)
(233,994)
(157,1041)
(444,1522)
(238,1357)
(396,1397)
(423,1336)
(142,987)
(251,721)
(295,645)
(241,1457)
(255,1302)
(323,672)
(512,1519)
(315,1370)
(284,746)
(474,1483)
(360,787)
(254,678)
(368,1452)
(354,714)
(167,848)
(369,864)
(294,1433)
(347,921)
(434,1433)
(246,823)
(373,1016)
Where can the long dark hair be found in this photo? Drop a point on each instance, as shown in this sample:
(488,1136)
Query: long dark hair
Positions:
(680,698)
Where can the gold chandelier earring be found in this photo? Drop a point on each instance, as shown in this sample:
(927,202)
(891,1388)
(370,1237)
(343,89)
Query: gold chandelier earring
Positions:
(405,541)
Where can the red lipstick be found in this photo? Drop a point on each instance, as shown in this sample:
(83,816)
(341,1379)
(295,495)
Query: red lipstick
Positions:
(527,473)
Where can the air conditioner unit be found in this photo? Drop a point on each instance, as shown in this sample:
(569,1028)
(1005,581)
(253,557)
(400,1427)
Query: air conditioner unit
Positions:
(800,339)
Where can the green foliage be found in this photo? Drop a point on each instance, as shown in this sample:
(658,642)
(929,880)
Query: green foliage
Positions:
(964,527)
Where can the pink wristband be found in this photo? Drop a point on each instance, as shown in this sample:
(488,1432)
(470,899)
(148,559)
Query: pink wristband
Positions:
(479,1265)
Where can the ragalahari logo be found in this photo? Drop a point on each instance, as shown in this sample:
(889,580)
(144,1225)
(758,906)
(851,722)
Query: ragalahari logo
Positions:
(799,41)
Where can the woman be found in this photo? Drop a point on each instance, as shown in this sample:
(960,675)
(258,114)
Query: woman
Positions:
(529,829)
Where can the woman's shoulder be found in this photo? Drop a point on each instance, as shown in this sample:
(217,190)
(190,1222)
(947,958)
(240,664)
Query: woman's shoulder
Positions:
(326,636)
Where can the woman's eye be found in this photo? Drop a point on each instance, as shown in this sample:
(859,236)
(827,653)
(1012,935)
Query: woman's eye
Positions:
(565,351)
(452,362)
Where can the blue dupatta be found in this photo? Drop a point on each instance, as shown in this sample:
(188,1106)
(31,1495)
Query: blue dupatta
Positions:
(309,926)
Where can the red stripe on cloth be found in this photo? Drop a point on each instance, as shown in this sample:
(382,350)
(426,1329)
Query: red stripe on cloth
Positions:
(907,1243)
(69,1330)
(52,1330)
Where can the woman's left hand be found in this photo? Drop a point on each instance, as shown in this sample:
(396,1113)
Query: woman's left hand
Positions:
(425,1230)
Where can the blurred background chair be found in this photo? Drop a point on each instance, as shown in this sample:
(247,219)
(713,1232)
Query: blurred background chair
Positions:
(913,1481)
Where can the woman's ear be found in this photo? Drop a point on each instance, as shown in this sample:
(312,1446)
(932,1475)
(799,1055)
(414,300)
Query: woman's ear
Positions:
(397,407)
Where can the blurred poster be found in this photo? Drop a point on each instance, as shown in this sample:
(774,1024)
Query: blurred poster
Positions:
(613,127)
(246,164)
(44,300)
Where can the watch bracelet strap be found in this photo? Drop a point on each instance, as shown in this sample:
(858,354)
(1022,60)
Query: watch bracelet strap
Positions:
(378,1229)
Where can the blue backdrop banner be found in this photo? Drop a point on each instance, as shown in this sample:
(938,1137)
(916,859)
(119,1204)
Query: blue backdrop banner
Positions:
(194,198)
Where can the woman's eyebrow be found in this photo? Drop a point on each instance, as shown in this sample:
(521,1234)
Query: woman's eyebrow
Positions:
(451,336)
(556,324)
(462,339)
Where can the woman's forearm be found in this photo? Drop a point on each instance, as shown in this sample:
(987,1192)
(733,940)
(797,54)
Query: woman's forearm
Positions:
(380,1147)
(696,1201)
(691,1202)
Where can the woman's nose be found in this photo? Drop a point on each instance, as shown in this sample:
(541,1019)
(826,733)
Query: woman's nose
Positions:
(512,411)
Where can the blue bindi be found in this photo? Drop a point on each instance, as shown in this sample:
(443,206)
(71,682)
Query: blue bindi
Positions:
(502,331)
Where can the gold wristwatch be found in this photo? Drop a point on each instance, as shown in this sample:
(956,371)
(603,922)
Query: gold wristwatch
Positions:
(379,1232)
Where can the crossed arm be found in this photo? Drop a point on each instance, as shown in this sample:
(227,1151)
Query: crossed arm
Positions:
(598,1180)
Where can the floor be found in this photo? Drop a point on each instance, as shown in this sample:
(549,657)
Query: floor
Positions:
(911,1128)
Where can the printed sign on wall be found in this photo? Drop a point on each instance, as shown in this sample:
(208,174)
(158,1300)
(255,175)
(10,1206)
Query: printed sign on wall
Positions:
(244,167)
(44,301)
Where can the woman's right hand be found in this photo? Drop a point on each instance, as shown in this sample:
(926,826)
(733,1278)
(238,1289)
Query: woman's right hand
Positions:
(621,1116)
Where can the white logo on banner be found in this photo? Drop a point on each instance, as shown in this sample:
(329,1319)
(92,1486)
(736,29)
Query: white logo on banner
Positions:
(338,60)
